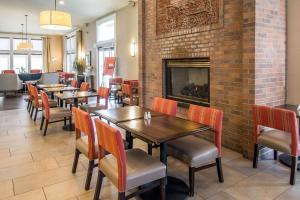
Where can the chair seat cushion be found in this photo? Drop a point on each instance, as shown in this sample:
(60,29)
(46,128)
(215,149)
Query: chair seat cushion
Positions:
(92,107)
(82,146)
(59,113)
(52,103)
(277,140)
(140,168)
(193,150)
(127,101)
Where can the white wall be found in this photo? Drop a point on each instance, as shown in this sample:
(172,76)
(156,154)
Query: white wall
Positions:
(293,52)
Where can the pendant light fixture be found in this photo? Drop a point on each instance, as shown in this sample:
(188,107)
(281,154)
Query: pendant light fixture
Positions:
(25,45)
(55,20)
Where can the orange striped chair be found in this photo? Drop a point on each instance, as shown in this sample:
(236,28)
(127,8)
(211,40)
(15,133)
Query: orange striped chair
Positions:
(53,115)
(276,129)
(83,87)
(196,152)
(74,83)
(125,169)
(128,97)
(85,142)
(103,94)
(166,106)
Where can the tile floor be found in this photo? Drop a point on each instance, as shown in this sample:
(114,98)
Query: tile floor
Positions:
(34,167)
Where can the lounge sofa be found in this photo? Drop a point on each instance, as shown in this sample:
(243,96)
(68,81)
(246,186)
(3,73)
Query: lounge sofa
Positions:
(49,78)
(10,83)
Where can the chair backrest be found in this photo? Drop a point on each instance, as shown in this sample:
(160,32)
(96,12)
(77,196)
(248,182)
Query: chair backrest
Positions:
(84,86)
(84,125)
(8,71)
(165,106)
(45,105)
(110,140)
(35,71)
(127,92)
(103,93)
(35,95)
(74,83)
(280,119)
(28,85)
(210,117)
(115,80)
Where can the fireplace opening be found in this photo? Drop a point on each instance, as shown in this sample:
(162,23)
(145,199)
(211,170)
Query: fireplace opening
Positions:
(187,80)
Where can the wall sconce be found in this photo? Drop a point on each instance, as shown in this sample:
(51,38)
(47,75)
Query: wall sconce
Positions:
(133,48)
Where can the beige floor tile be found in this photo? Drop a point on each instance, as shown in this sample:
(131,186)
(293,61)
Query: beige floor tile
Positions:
(6,189)
(228,155)
(108,192)
(67,160)
(260,186)
(62,151)
(15,160)
(291,194)
(28,168)
(32,195)
(41,179)
(222,196)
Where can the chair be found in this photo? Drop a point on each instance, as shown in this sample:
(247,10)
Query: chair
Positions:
(35,71)
(115,86)
(37,102)
(8,71)
(125,169)
(103,93)
(198,153)
(128,97)
(83,87)
(53,115)
(85,142)
(29,98)
(74,83)
(282,134)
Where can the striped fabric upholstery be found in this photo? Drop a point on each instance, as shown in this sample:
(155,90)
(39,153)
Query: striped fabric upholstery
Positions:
(110,140)
(45,105)
(84,125)
(84,86)
(280,119)
(210,117)
(165,106)
(29,88)
(127,92)
(35,95)
(74,83)
(103,93)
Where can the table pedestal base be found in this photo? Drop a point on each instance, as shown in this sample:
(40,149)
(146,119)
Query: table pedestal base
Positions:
(69,128)
(176,189)
(286,160)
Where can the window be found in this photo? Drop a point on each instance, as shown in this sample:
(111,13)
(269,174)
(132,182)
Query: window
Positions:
(20,62)
(70,62)
(4,62)
(71,53)
(4,44)
(37,45)
(37,62)
(106,29)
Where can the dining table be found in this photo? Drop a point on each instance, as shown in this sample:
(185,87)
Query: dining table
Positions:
(42,86)
(158,130)
(75,95)
(62,89)
(285,158)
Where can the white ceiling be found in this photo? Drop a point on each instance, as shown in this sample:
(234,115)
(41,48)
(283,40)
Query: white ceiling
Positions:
(82,11)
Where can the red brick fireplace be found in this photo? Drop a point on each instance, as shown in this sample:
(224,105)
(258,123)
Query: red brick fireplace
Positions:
(245,41)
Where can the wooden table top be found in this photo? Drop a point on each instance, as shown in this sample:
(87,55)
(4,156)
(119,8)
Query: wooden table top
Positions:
(163,128)
(75,95)
(42,86)
(60,89)
(117,115)
(291,108)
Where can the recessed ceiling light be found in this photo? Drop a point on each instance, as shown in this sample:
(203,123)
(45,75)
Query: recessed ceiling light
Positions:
(61,2)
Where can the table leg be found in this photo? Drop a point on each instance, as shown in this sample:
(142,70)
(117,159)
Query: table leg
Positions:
(76,102)
(61,102)
(72,126)
(52,95)
(129,139)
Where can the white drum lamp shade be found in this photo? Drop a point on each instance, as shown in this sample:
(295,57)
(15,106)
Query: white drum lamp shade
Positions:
(55,20)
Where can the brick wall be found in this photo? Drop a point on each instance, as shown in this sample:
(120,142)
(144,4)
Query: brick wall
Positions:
(236,80)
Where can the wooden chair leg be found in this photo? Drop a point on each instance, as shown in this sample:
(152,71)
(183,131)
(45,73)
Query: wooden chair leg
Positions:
(89,175)
(35,115)
(121,196)
(42,122)
(65,121)
(191,180)
(46,127)
(70,121)
(293,169)
(219,169)
(275,154)
(150,149)
(28,103)
(98,185)
(32,110)
(162,187)
(255,156)
(75,163)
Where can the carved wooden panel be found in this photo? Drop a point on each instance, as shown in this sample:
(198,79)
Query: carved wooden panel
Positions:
(178,15)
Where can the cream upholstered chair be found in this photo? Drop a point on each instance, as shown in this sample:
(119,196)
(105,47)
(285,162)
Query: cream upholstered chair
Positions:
(196,152)
(125,169)
(103,94)
(281,134)
(85,142)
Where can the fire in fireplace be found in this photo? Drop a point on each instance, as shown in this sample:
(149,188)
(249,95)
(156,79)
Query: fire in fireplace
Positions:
(187,80)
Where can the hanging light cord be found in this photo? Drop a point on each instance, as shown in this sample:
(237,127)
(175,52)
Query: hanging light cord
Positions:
(22,31)
(26,27)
